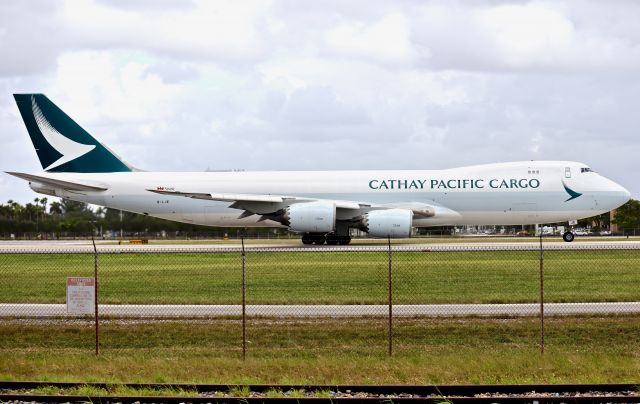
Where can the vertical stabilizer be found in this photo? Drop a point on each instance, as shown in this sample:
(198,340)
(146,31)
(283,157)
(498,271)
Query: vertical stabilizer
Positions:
(62,145)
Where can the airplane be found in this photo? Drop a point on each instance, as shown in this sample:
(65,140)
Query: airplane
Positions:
(322,206)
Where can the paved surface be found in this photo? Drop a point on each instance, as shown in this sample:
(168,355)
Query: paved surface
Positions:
(83,246)
(438,310)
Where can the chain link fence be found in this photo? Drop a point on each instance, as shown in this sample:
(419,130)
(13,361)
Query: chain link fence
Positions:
(301,300)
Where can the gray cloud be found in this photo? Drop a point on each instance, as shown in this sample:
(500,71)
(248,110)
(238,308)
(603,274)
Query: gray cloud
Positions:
(30,37)
(319,107)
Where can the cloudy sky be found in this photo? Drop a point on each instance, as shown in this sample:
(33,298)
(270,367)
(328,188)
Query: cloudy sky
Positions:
(360,84)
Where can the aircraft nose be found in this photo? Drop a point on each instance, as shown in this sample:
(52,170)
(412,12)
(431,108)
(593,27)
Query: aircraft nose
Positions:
(621,194)
(626,194)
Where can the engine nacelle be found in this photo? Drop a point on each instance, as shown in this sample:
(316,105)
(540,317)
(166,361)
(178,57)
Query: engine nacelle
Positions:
(42,189)
(311,217)
(387,223)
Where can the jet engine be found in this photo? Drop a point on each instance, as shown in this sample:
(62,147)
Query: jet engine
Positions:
(310,217)
(42,189)
(387,223)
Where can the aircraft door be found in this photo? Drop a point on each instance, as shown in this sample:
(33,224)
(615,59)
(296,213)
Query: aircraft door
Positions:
(567,172)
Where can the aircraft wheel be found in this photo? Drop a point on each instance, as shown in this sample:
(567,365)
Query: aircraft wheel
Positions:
(306,239)
(332,239)
(319,240)
(568,236)
(344,240)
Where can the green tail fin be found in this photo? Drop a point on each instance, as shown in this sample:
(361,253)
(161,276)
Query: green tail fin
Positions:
(62,145)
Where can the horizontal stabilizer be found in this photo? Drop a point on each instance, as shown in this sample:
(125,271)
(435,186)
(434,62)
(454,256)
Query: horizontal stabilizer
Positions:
(68,185)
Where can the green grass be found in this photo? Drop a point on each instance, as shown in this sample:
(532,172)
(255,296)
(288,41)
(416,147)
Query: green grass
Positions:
(328,277)
(240,391)
(327,351)
(115,390)
(274,393)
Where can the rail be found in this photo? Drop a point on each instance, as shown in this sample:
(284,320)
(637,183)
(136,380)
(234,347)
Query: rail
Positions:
(208,393)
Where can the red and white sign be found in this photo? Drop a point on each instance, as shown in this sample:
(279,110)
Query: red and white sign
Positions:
(81,293)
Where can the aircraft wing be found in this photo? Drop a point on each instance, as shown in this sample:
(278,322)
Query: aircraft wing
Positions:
(264,204)
(238,199)
(68,185)
(225,197)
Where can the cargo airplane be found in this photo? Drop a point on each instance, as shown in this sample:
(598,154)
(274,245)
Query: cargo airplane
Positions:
(320,205)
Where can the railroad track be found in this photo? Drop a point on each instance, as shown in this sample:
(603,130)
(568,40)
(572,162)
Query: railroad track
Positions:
(48,392)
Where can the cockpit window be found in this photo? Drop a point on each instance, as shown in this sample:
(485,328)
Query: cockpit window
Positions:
(586,170)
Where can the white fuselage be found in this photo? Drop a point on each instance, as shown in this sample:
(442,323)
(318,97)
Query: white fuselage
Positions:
(492,194)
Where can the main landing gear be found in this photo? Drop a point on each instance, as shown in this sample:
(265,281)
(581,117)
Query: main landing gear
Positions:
(318,239)
(330,239)
(335,239)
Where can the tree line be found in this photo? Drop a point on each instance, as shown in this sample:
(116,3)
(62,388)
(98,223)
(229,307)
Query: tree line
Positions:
(66,218)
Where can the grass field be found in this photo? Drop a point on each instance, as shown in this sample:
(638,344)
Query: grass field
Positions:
(328,277)
(326,351)
(578,350)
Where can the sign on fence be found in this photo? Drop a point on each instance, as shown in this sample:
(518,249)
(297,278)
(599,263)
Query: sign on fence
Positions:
(81,294)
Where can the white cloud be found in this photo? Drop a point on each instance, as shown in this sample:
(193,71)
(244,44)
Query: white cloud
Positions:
(108,90)
(211,30)
(525,34)
(385,41)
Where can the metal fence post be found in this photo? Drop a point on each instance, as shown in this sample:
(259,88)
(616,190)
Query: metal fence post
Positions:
(541,296)
(95,300)
(390,300)
(244,303)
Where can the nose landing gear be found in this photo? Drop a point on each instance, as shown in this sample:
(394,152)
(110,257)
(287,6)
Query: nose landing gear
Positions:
(568,236)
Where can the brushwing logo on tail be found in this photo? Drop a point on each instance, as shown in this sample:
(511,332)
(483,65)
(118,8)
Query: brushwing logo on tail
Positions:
(69,149)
